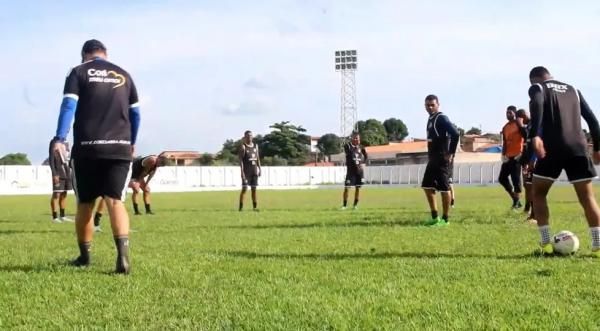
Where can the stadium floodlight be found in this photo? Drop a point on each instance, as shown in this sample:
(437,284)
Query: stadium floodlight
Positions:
(346,64)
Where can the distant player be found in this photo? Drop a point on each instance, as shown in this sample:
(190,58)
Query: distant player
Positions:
(557,138)
(527,165)
(98,215)
(249,169)
(142,171)
(356,158)
(512,149)
(102,98)
(442,141)
(61,182)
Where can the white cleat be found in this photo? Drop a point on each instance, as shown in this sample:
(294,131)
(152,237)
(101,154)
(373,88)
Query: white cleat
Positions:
(65,219)
(56,221)
(97,229)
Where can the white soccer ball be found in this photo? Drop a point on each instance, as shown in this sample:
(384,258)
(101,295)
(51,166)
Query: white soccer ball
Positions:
(565,243)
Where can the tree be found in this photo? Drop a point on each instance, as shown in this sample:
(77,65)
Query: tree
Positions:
(229,152)
(372,132)
(207,159)
(15,159)
(288,142)
(329,144)
(396,129)
(474,130)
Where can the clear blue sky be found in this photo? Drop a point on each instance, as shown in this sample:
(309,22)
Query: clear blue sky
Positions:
(208,70)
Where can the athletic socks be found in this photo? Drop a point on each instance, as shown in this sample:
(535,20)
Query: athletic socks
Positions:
(345,203)
(97,218)
(136,209)
(62,212)
(434,214)
(122,265)
(355,202)
(445,218)
(241,206)
(148,209)
(84,255)
(254,204)
(595,232)
(544,234)
(54,215)
(452,202)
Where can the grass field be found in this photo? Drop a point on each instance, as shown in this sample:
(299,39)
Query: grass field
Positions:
(300,264)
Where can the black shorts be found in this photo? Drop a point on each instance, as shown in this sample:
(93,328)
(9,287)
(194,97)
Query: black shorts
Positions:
(436,176)
(251,180)
(95,178)
(578,168)
(63,185)
(354,178)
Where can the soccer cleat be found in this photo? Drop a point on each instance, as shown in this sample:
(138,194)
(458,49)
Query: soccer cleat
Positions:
(123,266)
(80,261)
(452,203)
(149,212)
(355,207)
(432,221)
(137,213)
(56,220)
(97,229)
(65,219)
(546,249)
(440,223)
(343,208)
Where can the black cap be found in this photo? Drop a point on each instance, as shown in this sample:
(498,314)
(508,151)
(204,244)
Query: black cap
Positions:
(91,46)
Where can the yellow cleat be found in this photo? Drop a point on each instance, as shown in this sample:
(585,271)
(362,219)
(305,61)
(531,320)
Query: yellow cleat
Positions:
(547,249)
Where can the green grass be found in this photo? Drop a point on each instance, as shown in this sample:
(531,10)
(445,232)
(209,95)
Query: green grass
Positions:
(300,264)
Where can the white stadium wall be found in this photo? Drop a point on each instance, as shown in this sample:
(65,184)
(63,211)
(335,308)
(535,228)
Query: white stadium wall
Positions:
(37,179)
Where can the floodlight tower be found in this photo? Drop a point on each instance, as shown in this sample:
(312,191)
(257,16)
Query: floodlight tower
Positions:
(345,62)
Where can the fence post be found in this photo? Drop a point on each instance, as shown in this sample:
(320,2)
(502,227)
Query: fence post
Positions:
(481,173)
(470,173)
(458,168)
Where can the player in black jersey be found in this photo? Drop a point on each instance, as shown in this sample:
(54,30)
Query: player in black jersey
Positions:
(527,164)
(61,182)
(103,100)
(249,169)
(142,171)
(442,141)
(557,138)
(356,158)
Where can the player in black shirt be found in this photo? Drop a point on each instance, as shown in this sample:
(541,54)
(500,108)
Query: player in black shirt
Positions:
(103,100)
(142,171)
(356,159)
(557,138)
(527,164)
(61,182)
(249,169)
(442,141)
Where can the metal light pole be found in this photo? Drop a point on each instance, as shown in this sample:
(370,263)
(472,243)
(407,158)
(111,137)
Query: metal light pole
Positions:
(346,62)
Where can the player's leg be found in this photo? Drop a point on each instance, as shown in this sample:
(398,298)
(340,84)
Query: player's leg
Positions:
(503,178)
(356,196)
(443,186)
(53,205)
(62,200)
(135,187)
(515,176)
(84,229)
(87,188)
(428,185)
(581,171)
(541,186)
(146,196)
(451,195)
(114,192)
(242,196)
(253,187)
(98,215)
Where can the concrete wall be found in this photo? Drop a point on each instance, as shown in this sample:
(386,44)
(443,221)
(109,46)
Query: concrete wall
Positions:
(37,179)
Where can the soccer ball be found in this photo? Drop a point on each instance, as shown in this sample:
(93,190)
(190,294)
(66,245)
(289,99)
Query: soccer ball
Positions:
(565,243)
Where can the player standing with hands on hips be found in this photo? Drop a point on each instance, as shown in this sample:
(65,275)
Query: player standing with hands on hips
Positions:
(250,169)
(103,100)
(61,182)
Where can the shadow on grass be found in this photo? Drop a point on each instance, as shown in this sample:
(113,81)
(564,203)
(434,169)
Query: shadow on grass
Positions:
(373,255)
(14,232)
(8,221)
(364,223)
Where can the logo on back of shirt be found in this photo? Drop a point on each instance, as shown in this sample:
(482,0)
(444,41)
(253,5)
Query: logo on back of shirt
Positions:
(106,76)
(559,88)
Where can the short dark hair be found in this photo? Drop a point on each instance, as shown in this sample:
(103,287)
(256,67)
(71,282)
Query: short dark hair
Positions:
(92,46)
(538,72)
(355,133)
(247,132)
(432,97)
(512,108)
(522,112)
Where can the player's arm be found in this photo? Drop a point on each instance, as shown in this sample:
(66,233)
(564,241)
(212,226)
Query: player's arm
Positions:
(68,107)
(241,159)
(258,161)
(444,125)
(536,109)
(134,115)
(591,120)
